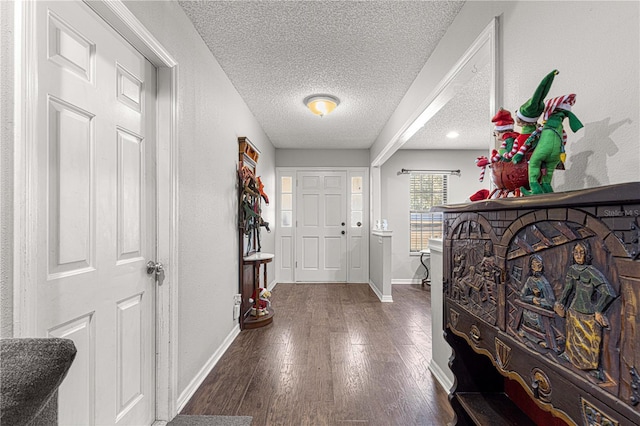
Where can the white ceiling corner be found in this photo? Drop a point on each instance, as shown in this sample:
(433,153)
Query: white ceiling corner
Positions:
(467,113)
(365,53)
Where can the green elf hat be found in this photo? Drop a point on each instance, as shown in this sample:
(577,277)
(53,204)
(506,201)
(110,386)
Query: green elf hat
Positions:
(530,111)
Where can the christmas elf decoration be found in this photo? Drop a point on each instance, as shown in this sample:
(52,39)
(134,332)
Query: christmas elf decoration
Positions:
(519,146)
(528,114)
(503,131)
(551,143)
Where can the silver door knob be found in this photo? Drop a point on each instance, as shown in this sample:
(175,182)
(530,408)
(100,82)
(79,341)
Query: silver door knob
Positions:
(154,268)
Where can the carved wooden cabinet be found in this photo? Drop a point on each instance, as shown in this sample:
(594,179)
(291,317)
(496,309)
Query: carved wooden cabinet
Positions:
(543,291)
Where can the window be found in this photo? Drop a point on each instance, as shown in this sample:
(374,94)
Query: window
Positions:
(356,201)
(286,201)
(425,191)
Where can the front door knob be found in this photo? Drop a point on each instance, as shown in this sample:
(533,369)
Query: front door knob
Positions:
(343,232)
(154,268)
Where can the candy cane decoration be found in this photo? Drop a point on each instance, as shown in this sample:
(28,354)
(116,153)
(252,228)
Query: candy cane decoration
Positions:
(495,156)
(509,155)
(482,162)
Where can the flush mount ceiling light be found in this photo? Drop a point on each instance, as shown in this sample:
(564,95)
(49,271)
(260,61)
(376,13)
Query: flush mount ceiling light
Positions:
(321,104)
(453,134)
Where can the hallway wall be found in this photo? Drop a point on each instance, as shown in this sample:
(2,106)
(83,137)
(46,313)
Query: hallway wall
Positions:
(322,158)
(395,193)
(594,45)
(6,168)
(211,117)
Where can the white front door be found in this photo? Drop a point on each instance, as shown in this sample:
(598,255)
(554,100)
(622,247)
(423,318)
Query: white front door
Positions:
(96,213)
(321,226)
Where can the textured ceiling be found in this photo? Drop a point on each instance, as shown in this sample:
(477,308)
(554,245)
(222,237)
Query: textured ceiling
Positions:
(367,53)
(466,113)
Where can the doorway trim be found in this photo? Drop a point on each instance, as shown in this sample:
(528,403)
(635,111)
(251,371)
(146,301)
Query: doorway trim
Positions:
(286,249)
(116,14)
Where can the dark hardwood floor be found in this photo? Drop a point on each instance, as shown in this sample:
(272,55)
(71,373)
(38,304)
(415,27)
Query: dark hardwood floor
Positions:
(334,355)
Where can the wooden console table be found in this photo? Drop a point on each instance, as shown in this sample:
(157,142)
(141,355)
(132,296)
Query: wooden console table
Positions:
(541,297)
(256,260)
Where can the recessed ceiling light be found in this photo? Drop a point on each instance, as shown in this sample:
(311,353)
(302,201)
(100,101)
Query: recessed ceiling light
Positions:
(453,134)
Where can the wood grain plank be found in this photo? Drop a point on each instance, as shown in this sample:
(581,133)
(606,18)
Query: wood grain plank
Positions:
(334,355)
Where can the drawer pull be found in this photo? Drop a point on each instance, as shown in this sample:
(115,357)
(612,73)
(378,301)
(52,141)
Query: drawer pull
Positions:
(535,386)
(475,333)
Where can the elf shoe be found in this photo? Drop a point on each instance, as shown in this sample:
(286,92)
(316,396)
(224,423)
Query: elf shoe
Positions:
(536,188)
(546,187)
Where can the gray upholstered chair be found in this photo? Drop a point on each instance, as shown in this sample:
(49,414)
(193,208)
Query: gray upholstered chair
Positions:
(31,370)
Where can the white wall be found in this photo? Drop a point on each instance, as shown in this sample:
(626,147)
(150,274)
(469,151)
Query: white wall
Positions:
(322,158)
(598,58)
(211,117)
(6,168)
(380,264)
(594,44)
(395,196)
(440,349)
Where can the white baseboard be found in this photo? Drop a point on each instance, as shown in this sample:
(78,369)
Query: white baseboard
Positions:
(195,383)
(440,376)
(272,285)
(382,298)
(406,281)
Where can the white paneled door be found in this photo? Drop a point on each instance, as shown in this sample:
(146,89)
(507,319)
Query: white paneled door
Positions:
(321,226)
(96,213)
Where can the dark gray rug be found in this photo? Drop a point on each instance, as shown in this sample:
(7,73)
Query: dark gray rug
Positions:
(187,420)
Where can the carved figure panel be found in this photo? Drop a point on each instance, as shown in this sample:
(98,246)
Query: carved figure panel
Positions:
(548,289)
(475,272)
(562,298)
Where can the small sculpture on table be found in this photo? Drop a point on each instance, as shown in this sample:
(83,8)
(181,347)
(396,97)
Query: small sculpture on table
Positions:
(260,301)
(547,142)
(525,162)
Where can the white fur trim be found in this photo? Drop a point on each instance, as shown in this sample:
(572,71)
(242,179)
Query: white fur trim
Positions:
(505,127)
(564,106)
(525,118)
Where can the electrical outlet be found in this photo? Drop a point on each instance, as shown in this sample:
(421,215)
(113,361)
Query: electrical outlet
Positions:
(236,311)
(237,299)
